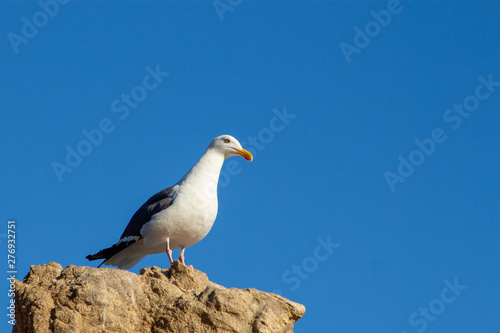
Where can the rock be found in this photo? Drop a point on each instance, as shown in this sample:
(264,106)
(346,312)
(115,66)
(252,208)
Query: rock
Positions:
(177,299)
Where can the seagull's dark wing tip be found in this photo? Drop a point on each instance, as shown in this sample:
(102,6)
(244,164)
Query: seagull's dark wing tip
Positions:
(110,251)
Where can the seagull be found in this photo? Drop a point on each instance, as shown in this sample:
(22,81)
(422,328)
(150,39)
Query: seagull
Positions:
(178,216)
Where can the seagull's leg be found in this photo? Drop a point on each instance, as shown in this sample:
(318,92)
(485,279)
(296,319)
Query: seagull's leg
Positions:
(169,252)
(181,258)
(181,255)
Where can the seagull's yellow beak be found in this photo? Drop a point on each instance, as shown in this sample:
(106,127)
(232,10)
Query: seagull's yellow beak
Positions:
(245,153)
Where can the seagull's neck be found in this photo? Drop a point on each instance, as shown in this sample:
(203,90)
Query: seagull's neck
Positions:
(205,172)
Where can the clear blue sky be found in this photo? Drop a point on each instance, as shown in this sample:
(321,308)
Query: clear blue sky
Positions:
(389,147)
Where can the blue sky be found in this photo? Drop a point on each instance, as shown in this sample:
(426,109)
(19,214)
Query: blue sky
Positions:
(373,195)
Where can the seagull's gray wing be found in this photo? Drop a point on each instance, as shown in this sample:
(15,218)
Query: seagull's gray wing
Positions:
(158,202)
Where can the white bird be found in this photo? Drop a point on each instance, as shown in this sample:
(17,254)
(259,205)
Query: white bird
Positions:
(176,217)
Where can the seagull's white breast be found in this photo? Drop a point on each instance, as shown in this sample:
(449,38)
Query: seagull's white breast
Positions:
(193,211)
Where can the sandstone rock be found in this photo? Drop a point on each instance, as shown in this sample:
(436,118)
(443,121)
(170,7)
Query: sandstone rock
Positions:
(177,299)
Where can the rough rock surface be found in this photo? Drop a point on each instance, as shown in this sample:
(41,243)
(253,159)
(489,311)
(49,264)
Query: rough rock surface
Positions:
(177,299)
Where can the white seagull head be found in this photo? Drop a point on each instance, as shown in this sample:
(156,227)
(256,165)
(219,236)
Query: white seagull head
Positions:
(229,146)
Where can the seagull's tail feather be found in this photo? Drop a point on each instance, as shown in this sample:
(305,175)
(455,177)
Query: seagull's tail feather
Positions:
(122,261)
(109,253)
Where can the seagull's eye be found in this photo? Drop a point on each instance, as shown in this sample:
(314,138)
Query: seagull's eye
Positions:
(227,140)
